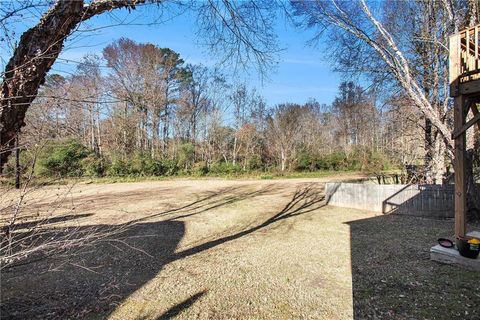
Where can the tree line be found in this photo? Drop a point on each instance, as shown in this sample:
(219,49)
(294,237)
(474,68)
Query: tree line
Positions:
(139,109)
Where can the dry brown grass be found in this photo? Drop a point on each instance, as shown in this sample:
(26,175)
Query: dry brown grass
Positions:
(216,249)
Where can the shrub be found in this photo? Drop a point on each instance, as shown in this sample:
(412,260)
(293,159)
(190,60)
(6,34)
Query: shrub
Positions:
(137,164)
(62,159)
(255,162)
(118,168)
(200,169)
(142,165)
(168,167)
(152,167)
(369,160)
(333,161)
(305,161)
(266,177)
(376,162)
(360,158)
(186,155)
(224,168)
(93,166)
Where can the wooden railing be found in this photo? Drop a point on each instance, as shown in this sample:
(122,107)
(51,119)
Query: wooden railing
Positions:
(464,62)
(469,50)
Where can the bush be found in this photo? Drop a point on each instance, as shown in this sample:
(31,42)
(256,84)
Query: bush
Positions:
(152,167)
(369,160)
(377,161)
(186,155)
(305,162)
(168,167)
(255,162)
(137,164)
(200,169)
(62,159)
(118,168)
(142,165)
(359,159)
(333,161)
(224,168)
(266,177)
(93,166)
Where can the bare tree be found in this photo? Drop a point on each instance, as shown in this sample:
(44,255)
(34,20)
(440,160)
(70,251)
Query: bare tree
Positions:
(241,29)
(284,129)
(356,115)
(382,46)
(194,99)
(240,100)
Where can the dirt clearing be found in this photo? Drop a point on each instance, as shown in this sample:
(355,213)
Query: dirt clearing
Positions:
(217,249)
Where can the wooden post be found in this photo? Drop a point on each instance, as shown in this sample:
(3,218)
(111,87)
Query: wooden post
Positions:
(17,161)
(460,164)
(464,76)
(454,64)
(476,48)
(475,111)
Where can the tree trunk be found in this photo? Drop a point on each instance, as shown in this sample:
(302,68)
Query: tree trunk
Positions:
(430,156)
(155,134)
(99,139)
(473,192)
(93,138)
(124,125)
(194,137)
(283,160)
(165,133)
(234,156)
(472,13)
(438,159)
(17,162)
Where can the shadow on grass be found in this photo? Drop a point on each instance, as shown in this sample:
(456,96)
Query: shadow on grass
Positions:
(34,221)
(394,278)
(178,308)
(97,278)
(304,200)
(208,201)
(92,280)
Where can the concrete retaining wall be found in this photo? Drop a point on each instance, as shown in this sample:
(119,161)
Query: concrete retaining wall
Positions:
(435,201)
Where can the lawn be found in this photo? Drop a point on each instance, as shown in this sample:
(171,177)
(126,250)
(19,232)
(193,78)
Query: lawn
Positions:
(249,249)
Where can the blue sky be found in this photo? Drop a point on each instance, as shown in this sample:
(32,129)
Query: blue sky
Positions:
(301,73)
